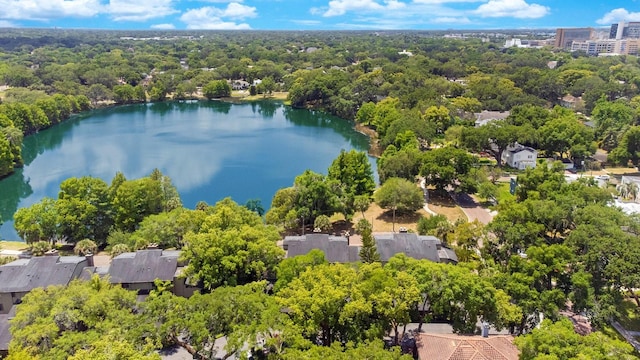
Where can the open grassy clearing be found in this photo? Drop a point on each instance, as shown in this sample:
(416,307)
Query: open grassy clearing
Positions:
(244,95)
(382,220)
(13,245)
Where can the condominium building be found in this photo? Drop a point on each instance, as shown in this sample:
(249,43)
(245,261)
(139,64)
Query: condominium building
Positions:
(607,47)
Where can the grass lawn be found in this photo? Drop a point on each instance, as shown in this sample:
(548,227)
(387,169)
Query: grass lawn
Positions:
(13,245)
(503,192)
(244,95)
(620,170)
(629,315)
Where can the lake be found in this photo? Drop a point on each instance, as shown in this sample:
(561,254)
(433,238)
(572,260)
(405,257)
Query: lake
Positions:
(210,149)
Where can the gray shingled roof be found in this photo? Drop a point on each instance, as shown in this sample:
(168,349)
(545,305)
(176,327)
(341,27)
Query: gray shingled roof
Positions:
(5,335)
(414,246)
(143,266)
(336,248)
(25,275)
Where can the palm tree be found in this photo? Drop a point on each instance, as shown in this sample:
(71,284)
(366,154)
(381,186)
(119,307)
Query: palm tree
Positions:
(623,189)
(633,191)
(85,247)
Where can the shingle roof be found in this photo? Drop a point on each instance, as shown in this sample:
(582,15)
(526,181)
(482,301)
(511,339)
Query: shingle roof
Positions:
(459,347)
(413,245)
(5,335)
(143,266)
(25,275)
(336,248)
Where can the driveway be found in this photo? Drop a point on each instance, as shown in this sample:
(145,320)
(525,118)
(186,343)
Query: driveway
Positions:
(471,208)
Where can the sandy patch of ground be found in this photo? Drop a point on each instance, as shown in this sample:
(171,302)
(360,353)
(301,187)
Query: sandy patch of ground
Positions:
(382,220)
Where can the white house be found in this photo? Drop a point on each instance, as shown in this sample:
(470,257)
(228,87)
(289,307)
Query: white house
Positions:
(520,157)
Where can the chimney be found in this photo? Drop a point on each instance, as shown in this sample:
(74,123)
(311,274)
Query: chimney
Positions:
(485,329)
(620,30)
(89,258)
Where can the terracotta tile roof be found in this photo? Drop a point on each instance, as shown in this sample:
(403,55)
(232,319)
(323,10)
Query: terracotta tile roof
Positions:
(458,347)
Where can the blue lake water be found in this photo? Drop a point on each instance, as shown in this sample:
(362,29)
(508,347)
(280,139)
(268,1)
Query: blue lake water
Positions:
(210,149)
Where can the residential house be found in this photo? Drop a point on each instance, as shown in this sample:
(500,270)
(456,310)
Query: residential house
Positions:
(461,347)
(414,246)
(139,270)
(338,250)
(485,117)
(520,157)
(5,334)
(19,277)
(240,85)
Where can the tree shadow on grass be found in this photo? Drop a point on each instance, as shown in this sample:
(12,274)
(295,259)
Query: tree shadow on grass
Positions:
(441,198)
(401,218)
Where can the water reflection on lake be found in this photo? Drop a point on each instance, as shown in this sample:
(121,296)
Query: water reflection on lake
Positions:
(209,149)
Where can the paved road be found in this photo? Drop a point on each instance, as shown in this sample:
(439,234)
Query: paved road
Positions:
(471,208)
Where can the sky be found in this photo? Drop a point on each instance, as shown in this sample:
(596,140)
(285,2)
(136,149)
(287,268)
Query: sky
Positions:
(315,14)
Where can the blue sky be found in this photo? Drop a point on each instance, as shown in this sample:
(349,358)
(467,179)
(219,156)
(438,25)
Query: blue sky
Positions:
(315,14)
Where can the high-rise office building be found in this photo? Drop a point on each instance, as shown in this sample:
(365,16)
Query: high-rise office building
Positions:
(566,36)
(622,30)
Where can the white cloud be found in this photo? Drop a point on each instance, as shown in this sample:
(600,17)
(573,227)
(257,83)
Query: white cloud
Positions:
(617,15)
(163,26)
(512,8)
(6,24)
(139,10)
(445,1)
(48,9)
(341,7)
(213,18)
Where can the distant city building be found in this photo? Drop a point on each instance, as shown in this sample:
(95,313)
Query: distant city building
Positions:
(607,47)
(624,30)
(566,36)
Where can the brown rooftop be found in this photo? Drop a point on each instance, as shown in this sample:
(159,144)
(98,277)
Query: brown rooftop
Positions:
(460,347)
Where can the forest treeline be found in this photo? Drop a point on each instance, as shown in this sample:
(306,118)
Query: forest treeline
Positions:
(432,89)
(552,246)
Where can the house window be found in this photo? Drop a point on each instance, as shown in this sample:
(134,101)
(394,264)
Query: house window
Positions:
(529,156)
(1,307)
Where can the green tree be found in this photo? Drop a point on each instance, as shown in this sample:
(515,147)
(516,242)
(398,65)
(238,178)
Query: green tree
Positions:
(63,321)
(399,195)
(559,341)
(323,223)
(134,200)
(38,222)
(368,251)
(352,171)
(233,247)
(216,89)
(448,167)
(85,247)
(494,138)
